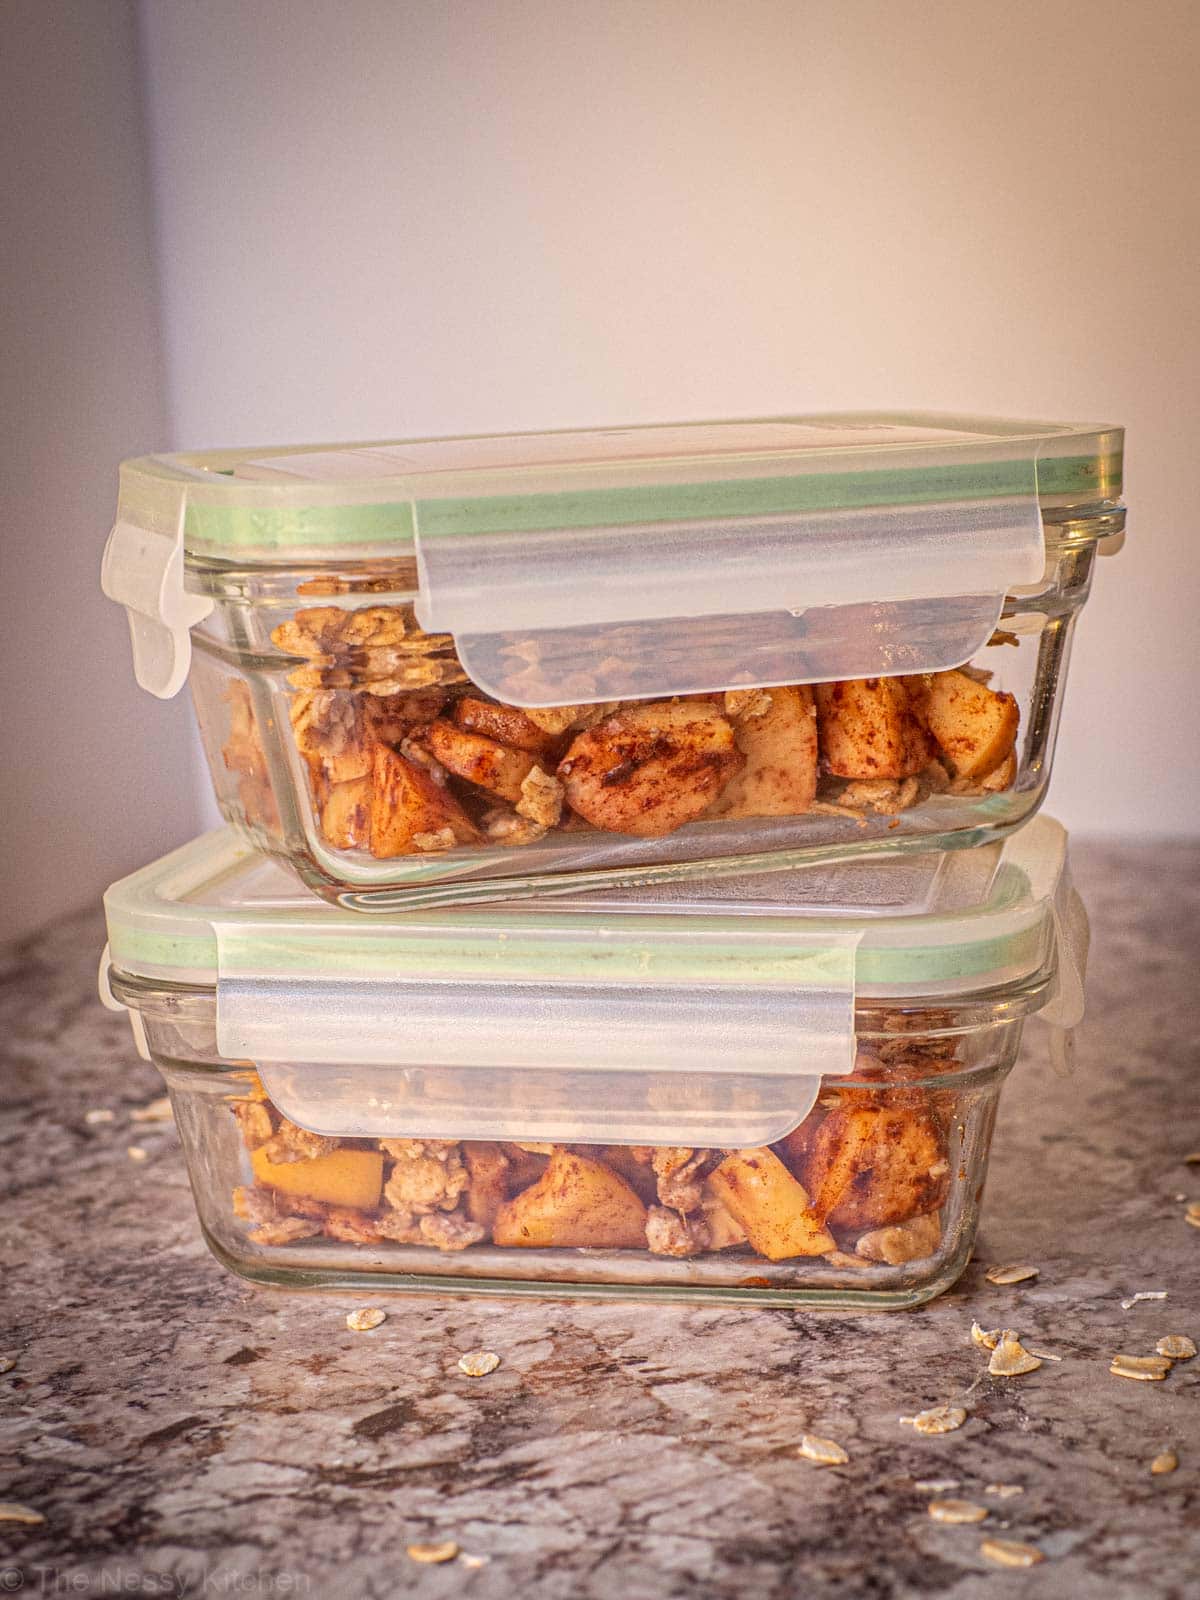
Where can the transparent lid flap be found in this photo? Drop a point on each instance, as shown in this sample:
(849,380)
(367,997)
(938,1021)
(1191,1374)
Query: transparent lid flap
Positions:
(542,616)
(369,1100)
(142,570)
(491,1048)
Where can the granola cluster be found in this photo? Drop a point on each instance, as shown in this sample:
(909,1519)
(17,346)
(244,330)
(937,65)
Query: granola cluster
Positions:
(406,757)
(862,1180)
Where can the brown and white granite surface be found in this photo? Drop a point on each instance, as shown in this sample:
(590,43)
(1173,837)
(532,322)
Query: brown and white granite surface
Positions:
(183,1433)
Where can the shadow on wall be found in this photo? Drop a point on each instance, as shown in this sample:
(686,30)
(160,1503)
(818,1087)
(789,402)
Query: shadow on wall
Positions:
(97,778)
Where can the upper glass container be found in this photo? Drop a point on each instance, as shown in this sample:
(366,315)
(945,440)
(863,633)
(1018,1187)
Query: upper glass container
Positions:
(467,667)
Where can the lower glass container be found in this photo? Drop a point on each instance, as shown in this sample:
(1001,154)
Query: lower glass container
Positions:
(871,1202)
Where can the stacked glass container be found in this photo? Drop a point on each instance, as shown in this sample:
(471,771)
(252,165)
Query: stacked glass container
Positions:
(666,794)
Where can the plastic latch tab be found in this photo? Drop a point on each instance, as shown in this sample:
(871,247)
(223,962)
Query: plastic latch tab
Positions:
(1064,1010)
(544,616)
(731,1054)
(143,571)
(110,1003)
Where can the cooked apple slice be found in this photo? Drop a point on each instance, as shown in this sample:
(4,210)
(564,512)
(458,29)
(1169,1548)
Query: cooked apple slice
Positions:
(346,815)
(777,733)
(869,729)
(352,1178)
(576,1202)
(480,760)
(507,725)
(409,809)
(876,1166)
(975,727)
(761,1194)
(650,768)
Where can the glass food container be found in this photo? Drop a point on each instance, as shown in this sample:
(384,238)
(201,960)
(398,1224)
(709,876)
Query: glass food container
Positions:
(477,668)
(777,1088)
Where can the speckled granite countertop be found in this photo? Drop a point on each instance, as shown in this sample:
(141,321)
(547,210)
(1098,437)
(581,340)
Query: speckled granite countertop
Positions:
(184,1433)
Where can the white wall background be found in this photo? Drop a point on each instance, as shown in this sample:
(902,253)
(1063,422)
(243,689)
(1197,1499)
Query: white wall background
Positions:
(379,217)
(90,785)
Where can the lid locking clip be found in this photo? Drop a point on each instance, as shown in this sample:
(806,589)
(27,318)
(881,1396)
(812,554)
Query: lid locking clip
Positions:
(142,570)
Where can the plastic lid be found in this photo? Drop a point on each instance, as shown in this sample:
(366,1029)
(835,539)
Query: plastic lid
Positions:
(697,1013)
(620,563)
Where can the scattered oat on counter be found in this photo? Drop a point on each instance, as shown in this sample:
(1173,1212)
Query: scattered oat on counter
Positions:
(822,1452)
(430,1553)
(155,1111)
(1011,1273)
(478,1363)
(956,1511)
(1143,1294)
(1144,1369)
(472,1561)
(1003,1491)
(1009,1553)
(1010,1358)
(7,1363)
(1192,1213)
(936,1485)
(9,1512)
(1164,1461)
(136,1153)
(937,1419)
(1176,1347)
(364,1320)
(98,1115)
(985,1338)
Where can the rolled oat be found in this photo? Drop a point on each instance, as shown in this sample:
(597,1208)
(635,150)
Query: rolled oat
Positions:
(822,1452)
(1176,1347)
(478,1363)
(1143,1369)
(956,1511)
(364,1320)
(1010,1553)
(1010,1274)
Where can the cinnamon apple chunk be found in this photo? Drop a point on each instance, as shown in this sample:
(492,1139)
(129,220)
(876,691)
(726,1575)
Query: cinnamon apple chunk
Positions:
(650,768)
(409,811)
(875,1166)
(576,1202)
(869,728)
(975,727)
(352,1178)
(507,725)
(776,731)
(480,760)
(761,1194)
